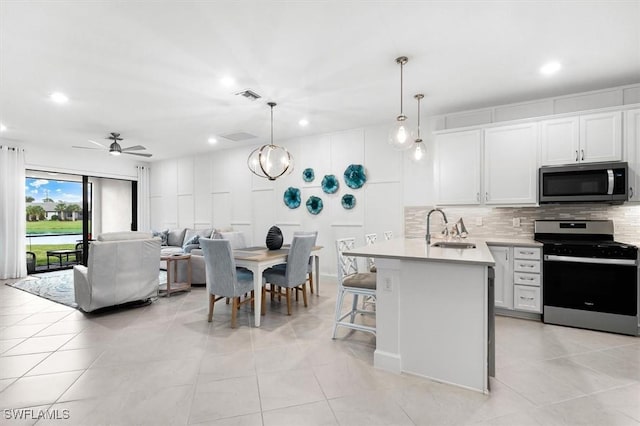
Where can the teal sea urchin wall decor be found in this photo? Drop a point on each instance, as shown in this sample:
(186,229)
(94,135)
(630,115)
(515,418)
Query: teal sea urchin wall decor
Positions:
(292,198)
(355,176)
(314,205)
(330,184)
(308,175)
(348,201)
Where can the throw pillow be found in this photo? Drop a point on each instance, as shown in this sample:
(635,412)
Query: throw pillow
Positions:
(193,240)
(163,235)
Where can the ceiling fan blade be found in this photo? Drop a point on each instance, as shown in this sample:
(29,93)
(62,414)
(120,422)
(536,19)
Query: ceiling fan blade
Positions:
(85,147)
(97,143)
(136,153)
(134,148)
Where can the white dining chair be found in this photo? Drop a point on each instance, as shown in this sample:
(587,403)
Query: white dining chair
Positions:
(350,281)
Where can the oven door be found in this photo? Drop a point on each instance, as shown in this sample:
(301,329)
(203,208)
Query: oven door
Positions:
(599,285)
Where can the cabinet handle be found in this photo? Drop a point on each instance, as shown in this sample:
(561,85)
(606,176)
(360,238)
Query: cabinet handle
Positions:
(478,196)
(525,266)
(526,298)
(486,196)
(527,279)
(526,252)
(582,152)
(576,155)
(506,256)
(631,192)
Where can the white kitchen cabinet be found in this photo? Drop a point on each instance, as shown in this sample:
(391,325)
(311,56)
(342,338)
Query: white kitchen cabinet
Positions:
(457,167)
(510,164)
(504,276)
(632,151)
(527,279)
(559,141)
(527,298)
(582,139)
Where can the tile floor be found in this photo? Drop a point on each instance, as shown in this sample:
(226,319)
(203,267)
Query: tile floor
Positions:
(164,364)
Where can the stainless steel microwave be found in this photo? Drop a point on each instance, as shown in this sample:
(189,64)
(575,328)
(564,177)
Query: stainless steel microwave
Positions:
(584,183)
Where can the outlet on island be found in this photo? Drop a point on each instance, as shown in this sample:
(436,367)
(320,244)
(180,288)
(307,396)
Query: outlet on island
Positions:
(516,222)
(387,285)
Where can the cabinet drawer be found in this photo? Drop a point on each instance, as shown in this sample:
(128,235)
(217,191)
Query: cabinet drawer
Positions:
(526,298)
(532,253)
(526,279)
(532,266)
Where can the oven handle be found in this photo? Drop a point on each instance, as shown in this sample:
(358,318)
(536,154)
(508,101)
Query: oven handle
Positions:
(554,258)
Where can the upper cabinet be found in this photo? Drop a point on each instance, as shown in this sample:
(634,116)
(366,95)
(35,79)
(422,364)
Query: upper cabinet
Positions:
(457,167)
(495,166)
(583,139)
(510,164)
(632,151)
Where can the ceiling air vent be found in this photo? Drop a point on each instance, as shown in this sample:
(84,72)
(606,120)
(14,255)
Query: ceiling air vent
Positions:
(239,136)
(249,94)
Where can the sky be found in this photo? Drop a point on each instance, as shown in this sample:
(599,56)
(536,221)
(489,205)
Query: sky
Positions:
(57,190)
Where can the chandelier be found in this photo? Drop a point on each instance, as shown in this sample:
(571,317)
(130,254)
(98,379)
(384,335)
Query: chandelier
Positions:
(270,161)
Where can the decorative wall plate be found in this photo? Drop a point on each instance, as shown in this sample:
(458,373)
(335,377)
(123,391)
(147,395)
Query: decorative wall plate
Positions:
(308,175)
(355,176)
(292,198)
(348,201)
(330,184)
(314,205)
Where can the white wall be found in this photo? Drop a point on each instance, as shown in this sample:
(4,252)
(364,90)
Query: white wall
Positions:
(218,190)
(115,205)
(80,162)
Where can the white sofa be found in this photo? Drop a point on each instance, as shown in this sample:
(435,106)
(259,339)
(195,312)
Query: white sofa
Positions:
(122,267)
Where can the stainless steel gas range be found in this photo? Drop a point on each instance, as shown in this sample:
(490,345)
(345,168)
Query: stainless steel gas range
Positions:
(589,280)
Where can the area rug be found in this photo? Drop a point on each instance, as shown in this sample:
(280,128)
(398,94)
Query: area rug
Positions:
(56,286)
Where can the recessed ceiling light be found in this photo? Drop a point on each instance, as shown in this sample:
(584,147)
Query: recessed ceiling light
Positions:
(3,128)
(212,141)
(550,68)
(59,97)
(227,81)
(303,122)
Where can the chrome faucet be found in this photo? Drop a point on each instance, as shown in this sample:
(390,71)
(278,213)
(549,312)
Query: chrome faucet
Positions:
(444,216)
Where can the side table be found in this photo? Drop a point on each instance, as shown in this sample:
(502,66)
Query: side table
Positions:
(171,286)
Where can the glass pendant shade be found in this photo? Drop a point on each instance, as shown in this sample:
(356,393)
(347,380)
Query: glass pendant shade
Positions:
(400,135)
(270,161)
(418,150)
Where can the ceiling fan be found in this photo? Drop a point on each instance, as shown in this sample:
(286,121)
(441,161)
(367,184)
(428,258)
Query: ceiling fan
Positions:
(115,148)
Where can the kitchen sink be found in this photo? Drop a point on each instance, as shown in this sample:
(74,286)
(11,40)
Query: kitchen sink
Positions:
(454,244)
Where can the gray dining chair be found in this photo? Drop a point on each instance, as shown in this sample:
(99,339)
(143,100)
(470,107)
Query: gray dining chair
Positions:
(350,281)
(310,266)
(223,278)
(294,275)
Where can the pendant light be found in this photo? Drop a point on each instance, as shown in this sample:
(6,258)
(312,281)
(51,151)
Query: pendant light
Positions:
(419,149)
(400,137)
(270,161)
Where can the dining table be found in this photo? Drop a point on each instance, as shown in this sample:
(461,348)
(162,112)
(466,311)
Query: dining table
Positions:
(258,259)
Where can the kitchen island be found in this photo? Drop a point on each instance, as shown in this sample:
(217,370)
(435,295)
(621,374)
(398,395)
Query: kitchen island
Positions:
(432,310)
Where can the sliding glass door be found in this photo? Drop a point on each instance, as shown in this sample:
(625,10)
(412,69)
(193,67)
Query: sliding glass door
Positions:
(65,212)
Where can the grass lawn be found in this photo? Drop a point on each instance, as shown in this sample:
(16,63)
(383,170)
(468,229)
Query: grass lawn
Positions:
(41,252)
(54,227)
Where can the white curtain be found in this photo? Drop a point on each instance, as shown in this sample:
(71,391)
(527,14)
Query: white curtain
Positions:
(144,212)
(13,261)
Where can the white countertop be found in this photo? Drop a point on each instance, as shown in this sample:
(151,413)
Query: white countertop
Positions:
(503,241)
(417,249)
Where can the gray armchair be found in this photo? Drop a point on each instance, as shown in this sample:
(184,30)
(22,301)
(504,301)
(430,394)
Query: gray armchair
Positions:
(122,267)
(223,278)
(294,275)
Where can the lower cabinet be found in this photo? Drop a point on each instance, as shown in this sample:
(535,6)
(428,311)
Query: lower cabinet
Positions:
(504,276)
(518,281)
